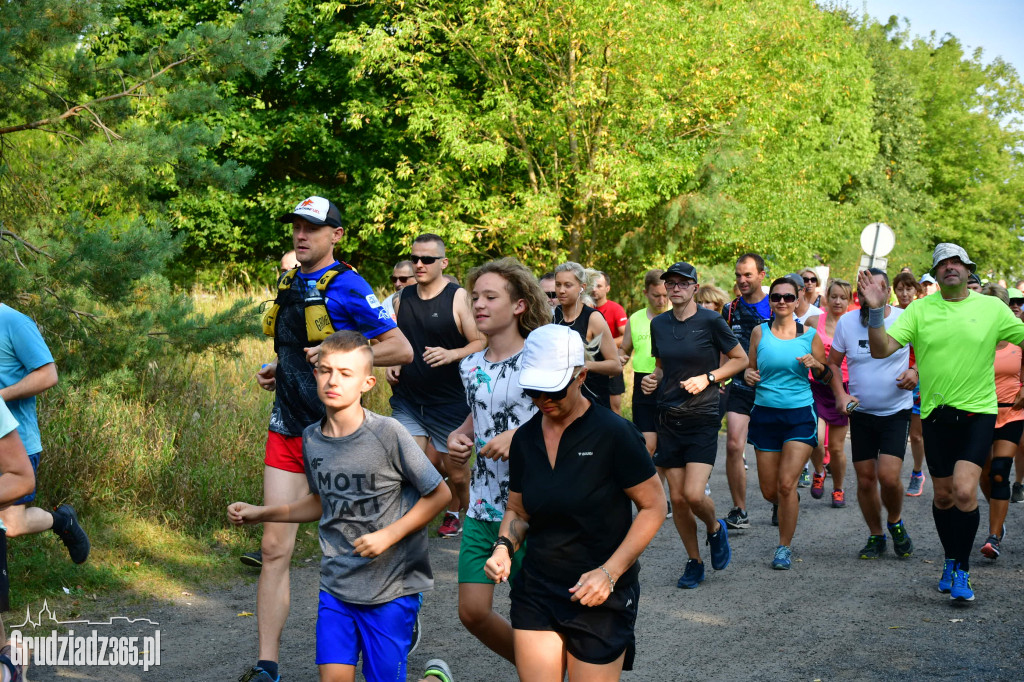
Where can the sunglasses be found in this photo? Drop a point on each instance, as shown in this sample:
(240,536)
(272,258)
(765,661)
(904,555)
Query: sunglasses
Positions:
(403,280)
(788,298)
(426,260)
(808,280)
(551,294)
(557,395)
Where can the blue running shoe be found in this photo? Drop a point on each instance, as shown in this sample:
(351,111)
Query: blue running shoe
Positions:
(692,576)
(721,553)
(961,590)
(258,674)
(946,581)
(783,558)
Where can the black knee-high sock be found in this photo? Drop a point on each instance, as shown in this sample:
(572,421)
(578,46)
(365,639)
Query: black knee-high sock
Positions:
(944,527)
(966,532)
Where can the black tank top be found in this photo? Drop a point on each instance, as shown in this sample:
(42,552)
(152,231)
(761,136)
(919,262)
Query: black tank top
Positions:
(598,385)
(429,323)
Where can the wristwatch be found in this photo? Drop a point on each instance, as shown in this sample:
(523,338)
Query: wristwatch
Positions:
(711,378)
(504,541)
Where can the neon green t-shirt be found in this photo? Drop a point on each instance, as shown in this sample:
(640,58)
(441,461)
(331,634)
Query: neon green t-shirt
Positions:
(640,332)
(955,346)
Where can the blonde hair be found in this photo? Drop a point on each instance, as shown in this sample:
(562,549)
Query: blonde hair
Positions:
(521,285)
(709,293)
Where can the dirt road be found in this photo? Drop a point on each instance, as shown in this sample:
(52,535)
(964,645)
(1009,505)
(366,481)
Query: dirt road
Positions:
(832,617)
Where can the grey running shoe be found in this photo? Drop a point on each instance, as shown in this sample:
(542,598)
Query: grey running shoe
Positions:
(439,670)
(991,547)
(737,519)
(1017,492)
(874,548)
(916,485)
(805,479)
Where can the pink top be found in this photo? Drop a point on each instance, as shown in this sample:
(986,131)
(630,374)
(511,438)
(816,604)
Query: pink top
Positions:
(1008,382)
(826,340)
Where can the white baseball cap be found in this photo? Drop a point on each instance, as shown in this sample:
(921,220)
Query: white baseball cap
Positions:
(316,210)
(550,355)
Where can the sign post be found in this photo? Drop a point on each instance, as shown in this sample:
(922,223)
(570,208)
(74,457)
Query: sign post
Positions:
(876,240)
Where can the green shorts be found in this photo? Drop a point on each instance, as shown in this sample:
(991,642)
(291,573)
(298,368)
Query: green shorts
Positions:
(477,539)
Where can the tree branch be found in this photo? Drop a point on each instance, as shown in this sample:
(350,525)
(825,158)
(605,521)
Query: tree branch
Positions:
(7,234)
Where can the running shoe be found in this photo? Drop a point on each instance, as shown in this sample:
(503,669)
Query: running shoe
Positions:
(902,545)
(874,549)
(805,479)
(258,674)
(692,576)
(991,547)
(916,485)
(946,581)
(254,559)
(961,589)
(838,499)
(783,558)
(67,528)
(438,669)
(1017,492)
(775,514)
(451,527)
(737,519)
(721,553)
(745,467)
(818,485)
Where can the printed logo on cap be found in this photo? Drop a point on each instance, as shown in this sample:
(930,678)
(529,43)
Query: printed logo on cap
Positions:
(314,206)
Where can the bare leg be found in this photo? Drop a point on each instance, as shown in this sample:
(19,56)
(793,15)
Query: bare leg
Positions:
(916,442)
(837,457)
(867,494)
(540,656)
(476,611)
(890,468)
(794,456)
(736,442)
(22,520)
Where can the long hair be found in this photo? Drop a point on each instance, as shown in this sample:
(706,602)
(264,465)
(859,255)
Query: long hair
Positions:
(520,284)
(584,276)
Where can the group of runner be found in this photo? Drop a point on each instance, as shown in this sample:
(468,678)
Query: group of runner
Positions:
(522,371)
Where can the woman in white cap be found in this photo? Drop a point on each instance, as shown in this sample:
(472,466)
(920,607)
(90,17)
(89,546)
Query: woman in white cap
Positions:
(575,470)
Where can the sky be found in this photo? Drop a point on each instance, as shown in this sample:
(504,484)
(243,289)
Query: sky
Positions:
(994,25)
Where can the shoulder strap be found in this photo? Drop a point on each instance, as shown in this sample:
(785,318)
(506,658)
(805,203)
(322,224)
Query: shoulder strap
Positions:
(732,309)
(284,282)
(799,329)
(334,271)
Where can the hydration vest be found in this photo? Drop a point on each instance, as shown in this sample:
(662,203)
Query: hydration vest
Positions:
(318,321)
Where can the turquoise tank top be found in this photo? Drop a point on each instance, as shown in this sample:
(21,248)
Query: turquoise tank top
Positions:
(784,382)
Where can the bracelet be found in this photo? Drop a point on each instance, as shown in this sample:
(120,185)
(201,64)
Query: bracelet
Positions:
(503,541)
(876,317)
(609,577)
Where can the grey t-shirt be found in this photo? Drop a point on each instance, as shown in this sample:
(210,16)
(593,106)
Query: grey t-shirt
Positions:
(367,481)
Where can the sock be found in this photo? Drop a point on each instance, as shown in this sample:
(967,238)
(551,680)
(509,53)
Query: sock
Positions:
(894,525)
(944,528)
(917,473)
(269,666)
(966,532)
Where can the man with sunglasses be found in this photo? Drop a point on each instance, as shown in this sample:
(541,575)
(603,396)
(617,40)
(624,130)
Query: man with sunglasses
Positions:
(688,343)
(402,276)
(547,285)
(429,398)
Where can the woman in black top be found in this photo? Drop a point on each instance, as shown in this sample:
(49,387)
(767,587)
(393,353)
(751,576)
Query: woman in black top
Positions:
(571,283)
(574,470)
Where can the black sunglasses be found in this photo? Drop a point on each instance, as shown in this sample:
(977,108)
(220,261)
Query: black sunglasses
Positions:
(403,280)
(808,280)
(551,294)
(557,395)
(788,298)
(426,260)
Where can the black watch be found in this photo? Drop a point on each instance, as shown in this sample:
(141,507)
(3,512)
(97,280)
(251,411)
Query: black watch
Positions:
(502,540)
(711,378)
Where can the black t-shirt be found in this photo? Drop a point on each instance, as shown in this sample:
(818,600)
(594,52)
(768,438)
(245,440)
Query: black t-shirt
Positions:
(687,349)
(579,512)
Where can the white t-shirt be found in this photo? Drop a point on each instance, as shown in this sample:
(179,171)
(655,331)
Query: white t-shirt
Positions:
(7,421)
(812,311)
(872,380)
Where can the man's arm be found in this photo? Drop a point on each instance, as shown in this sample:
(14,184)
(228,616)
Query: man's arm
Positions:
(626,347)
(304,510)
(391,348)
(33,383)
(436,356)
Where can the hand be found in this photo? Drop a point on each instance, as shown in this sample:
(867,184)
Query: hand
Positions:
(623,358)
(435,356)
(265,377)
(373,544)
(312,353)
(649,384)
(810,362)
(391,374)
(498,447)
(460,447)
(843,400)
(695,385)
(592,589)
(751,377)
(499,565)
(908,379)
(1018,403)
(241,513)
(872,294)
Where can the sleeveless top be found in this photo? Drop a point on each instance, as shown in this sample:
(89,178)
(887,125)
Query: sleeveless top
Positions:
(429,323)
(826,341)
(597,385)
(640,331)
(784,383)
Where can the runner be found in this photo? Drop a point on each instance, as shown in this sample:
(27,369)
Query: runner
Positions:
(783,425)
(711,297)
(995,476)
(807,304)
(508,304)
(571,282)
(615,315)
(974,283)
(289,262)
(954,336)
(402,275)
(688,343)
(907,290)
(429,399)
(743,315)
(574,470)
(345,302)
(547,284)
(880,393)
(928,285)
(832,422)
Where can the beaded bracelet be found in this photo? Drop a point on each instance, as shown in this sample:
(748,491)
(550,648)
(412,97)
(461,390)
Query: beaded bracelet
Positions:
(610,580)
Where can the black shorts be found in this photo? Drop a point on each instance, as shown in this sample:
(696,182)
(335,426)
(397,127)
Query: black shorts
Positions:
(616,385)
(771,427)
(872,435)
(682,441)
(1011,431)
(645,407)
(741,398)
(593,634)
(952,435)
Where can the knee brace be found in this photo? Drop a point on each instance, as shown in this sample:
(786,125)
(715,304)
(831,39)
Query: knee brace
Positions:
(999,476)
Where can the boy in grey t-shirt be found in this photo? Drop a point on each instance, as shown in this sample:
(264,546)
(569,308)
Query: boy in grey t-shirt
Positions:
(374,491)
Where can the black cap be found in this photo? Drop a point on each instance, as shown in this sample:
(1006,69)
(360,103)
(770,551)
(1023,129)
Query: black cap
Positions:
(682,269)
(974,278)
(316,210)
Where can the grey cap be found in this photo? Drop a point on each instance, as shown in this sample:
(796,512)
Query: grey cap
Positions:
(946,250)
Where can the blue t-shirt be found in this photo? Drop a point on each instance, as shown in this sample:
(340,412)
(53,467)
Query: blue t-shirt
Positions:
(784,382)
(351,303)
(22,351)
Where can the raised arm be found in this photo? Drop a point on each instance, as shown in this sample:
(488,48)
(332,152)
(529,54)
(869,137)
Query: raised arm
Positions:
(872,296)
